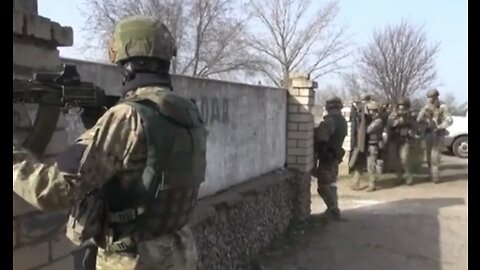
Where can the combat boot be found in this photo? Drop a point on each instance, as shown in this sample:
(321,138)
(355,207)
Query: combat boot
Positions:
(371,187)
(357,185)
(409,180)
(331,214)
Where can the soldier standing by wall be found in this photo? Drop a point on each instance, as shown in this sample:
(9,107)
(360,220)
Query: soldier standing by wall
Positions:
(401,125)
(328,141)
(436,117)
(132,179)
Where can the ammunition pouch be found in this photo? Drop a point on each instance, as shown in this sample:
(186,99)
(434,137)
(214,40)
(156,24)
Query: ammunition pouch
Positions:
(87,220)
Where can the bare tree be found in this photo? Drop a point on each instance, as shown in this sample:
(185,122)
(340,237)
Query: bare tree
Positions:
(286,39)
(208,33)
(451,101)
(398,62)
(353,85)
(328,91)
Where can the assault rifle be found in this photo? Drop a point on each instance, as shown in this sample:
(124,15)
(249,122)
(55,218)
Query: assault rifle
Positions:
(56,93)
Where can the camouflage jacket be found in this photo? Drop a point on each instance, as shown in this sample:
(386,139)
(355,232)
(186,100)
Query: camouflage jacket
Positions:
(329,136)
(401,125)
(116,145)
(435,117)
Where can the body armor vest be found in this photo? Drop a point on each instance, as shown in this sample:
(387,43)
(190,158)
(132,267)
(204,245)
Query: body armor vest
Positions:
(335,141)
(160,201)
(375,137)
(163,199)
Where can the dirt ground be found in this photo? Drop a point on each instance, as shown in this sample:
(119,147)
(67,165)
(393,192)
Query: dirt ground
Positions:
(422,227)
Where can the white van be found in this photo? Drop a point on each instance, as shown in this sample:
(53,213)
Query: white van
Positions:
(457,139)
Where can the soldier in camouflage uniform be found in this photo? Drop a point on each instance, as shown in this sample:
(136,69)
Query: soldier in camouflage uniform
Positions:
(144,160)
(328,141)
(436,117)
(402,131)
(374,140)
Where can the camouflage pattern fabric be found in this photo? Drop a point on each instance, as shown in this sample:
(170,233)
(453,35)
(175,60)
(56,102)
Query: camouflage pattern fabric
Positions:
(402,154)
(327,174)
(174,251)
(400,144)
(373,164)
(437,119)
(434,144)
(116,145)
(331,132)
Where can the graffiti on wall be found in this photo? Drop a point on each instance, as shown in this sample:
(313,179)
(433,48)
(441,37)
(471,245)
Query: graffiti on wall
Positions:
(213,110)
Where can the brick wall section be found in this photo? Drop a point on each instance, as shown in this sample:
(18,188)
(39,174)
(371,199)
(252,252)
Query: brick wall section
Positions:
(300,123)
(38,241)
(300,139)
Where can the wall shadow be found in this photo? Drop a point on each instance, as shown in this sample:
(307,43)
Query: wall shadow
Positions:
(403,234)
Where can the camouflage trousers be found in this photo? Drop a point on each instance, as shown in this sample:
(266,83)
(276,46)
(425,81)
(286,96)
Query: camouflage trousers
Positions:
(374,164)
(174,251)
(434,145)
(327,174)
(359,167)
(401,151)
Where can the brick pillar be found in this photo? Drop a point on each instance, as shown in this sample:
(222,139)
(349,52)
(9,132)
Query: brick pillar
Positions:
(300,124)
(38,237)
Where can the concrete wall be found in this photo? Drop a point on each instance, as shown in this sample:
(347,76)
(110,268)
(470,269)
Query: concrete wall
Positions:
(246,123)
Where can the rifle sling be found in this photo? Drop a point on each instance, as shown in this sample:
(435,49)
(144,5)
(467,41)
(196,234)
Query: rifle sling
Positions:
(44,125)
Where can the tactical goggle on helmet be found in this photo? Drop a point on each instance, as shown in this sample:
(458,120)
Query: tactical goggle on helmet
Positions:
(141,36)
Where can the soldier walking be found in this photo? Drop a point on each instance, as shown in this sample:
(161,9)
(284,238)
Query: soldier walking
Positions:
(402,132)
(374,139)
(436,117)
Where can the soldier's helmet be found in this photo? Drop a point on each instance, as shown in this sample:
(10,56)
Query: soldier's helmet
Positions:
(141,36)
(432,93)
(334,103)
(405,101)
(366,97)
(373,106)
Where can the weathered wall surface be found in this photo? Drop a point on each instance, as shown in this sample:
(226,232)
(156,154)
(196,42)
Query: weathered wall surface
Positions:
(246,123)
